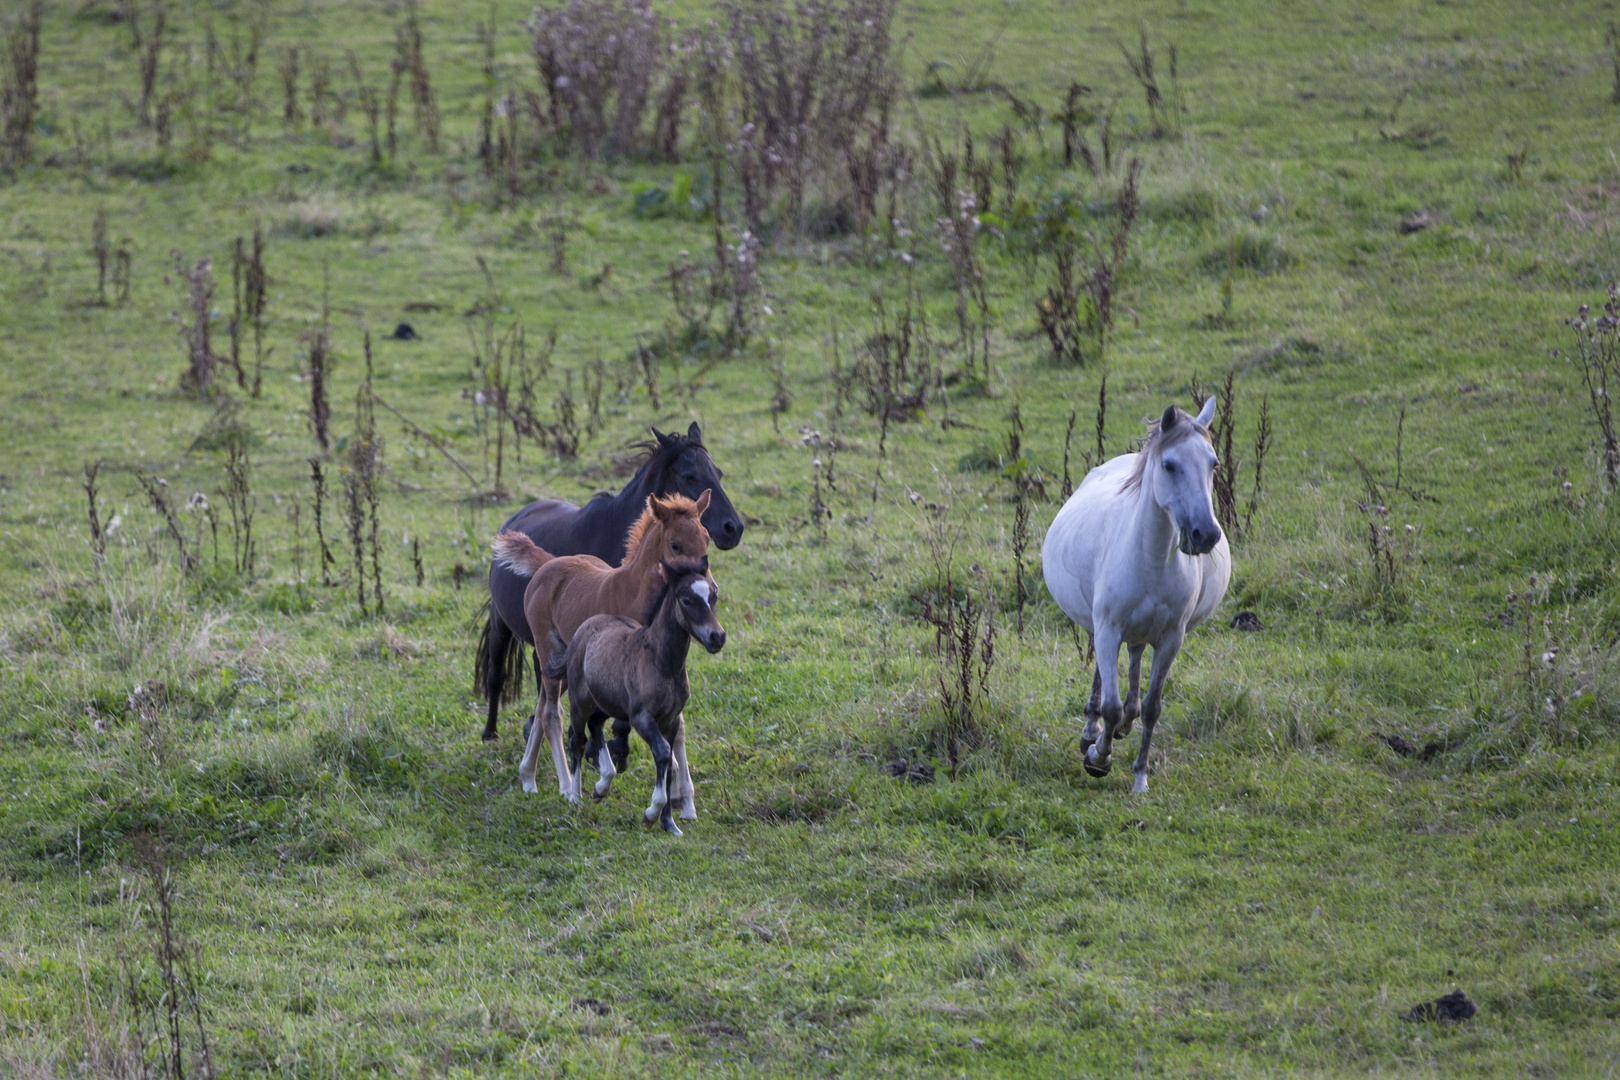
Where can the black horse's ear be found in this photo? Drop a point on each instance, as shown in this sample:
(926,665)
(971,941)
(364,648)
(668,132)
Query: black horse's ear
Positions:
(1168,420)
(693,433)
(663,440)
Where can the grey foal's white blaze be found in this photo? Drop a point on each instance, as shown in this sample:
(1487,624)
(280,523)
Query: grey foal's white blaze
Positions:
(701,588)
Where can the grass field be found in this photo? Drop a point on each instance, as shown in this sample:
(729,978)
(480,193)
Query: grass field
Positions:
(1376,216)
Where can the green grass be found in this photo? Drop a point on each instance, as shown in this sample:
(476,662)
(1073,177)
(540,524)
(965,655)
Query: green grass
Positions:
(371,893)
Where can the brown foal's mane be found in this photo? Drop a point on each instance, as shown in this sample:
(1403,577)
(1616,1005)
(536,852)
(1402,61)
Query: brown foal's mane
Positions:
(675,503)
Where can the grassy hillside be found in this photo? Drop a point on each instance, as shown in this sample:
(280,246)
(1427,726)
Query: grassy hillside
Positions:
(1375,218)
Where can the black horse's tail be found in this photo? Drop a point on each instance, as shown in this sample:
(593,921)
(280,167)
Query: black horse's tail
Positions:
(557,662)
(509,669)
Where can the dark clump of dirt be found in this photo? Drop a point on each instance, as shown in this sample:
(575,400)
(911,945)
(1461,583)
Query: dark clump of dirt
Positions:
(1400,744)
(918,772)
(1454,1006)
(404,332)
(600,1008)
(1407,748)
(1247,620)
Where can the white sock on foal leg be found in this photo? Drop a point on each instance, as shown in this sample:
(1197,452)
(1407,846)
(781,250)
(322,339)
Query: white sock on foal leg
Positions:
(604,764)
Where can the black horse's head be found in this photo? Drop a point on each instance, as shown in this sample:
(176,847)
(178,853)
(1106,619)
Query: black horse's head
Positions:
(679,463)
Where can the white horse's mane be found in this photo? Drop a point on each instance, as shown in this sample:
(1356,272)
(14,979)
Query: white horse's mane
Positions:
(1158,440)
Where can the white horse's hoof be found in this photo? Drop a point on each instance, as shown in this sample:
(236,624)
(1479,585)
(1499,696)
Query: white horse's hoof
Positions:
(1140,786)
(689,812)
(601,789)
(529,786)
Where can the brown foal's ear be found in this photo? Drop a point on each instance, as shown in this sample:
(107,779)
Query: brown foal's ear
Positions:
(704,562)
(1168,420)
(703,501)
(660,511)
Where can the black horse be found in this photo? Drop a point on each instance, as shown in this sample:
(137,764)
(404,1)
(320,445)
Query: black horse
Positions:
(674,463)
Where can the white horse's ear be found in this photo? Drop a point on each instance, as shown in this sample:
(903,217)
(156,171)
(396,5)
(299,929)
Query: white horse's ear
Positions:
(1207,413)
(1168,420)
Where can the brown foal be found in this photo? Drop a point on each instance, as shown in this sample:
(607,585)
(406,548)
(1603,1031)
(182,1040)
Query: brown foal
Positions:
(565,591)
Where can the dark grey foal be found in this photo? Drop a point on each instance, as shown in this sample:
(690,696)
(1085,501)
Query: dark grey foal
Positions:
(615,667)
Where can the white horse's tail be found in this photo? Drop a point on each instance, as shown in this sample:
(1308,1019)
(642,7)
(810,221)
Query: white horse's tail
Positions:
(519,554)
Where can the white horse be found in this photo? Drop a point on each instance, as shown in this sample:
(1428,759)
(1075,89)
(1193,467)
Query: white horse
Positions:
(1135,556)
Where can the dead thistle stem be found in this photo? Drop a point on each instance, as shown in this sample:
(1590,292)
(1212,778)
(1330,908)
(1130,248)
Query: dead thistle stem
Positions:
(101,249)
(291,114)
(1597,352)
(781,398)
(295,522)
(416,560)
(98,538)
(1102,417)
(1262,444)
(321,363)
(1227,463)
(156,489)
(239,500)
(408,45)
(19,94)
(148,50)
(360,484)
(1068,439)
(1019,468)
(256,295)
(195,332)
(370,104)
(317,478)
(649,374)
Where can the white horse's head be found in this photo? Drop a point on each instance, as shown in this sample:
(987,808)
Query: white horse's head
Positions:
(1180,457)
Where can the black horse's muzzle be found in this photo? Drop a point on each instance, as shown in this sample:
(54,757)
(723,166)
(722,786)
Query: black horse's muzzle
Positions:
(727,534)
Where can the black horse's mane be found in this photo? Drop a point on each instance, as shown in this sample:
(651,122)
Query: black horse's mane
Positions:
(663,451)
(673,572)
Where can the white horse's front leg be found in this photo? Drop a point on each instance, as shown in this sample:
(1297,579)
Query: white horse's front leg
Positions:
(1133,693)
(1164,654)
(684,795)
(1099,755)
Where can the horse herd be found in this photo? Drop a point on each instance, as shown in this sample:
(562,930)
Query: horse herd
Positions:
(611,594)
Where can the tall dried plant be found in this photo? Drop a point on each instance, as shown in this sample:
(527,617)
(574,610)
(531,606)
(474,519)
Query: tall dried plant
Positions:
(195,332)
(1597,353)
(19,82)
(599,61)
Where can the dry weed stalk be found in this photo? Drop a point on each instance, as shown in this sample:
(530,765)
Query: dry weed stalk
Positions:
(239,500)
(599,60)
(370,98)
(1597,352)
(317,479)
(408,52)
(291,114)
(1068,440)
(964,637)
(195,330)
(101,249)
(819,81)
(360,487)
(1079,304)
(157,493)
(19,90)
(1164,111)
(322,360)
(148,43)
(98,535)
